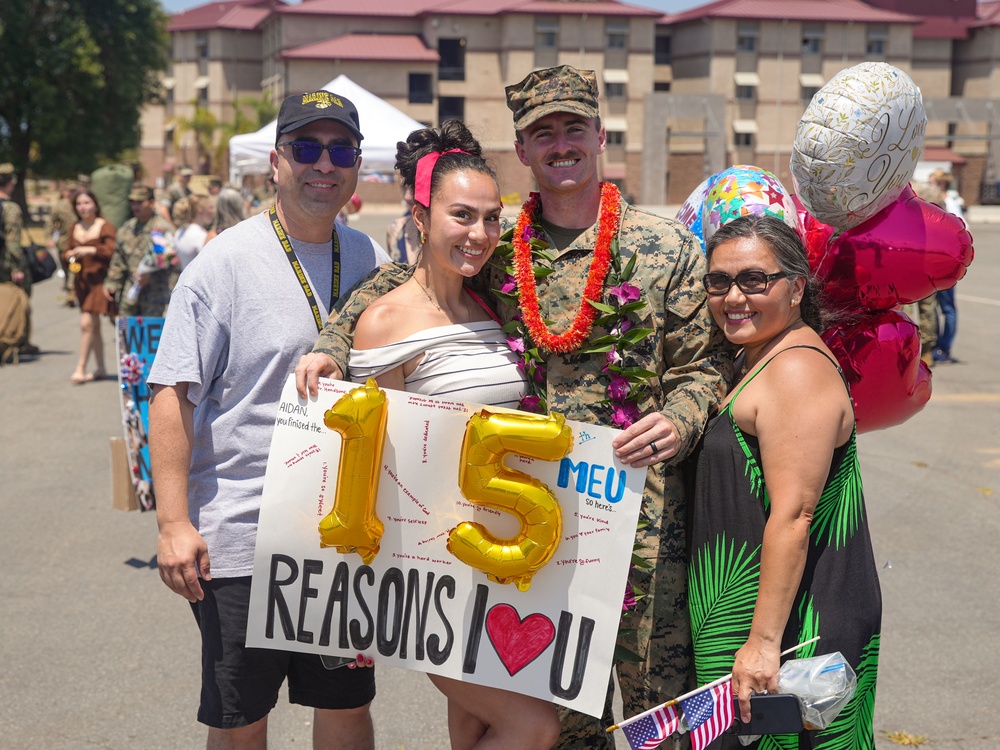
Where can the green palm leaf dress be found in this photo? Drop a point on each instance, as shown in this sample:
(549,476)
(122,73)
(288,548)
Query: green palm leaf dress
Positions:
(838,599)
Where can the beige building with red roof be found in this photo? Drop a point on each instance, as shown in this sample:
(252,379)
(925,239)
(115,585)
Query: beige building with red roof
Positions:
(682,96)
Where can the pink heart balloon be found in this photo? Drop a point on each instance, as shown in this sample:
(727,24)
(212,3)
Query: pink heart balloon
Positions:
(906,252)
(880,357)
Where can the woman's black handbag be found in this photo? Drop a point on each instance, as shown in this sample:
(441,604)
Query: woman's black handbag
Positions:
(40,262)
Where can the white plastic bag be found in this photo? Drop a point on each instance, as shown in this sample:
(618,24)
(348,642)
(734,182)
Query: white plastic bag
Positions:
(824,684)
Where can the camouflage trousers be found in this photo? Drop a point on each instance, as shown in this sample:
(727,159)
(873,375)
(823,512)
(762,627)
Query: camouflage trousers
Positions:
(657,631)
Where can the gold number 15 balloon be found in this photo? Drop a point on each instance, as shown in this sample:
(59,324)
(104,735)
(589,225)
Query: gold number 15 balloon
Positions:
(360,417)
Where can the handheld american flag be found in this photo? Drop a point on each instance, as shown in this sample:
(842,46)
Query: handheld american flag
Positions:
(649,731)
(709,714)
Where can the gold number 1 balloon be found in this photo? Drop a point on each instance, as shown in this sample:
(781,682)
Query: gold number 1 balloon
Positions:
(352,525)
(485,480)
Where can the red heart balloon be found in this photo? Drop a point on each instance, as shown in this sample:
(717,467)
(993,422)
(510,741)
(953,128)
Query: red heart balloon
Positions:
(880,357)
(904,253)
(815,235)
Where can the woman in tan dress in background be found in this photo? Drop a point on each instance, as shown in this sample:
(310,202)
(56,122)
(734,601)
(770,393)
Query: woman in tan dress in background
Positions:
(88,254)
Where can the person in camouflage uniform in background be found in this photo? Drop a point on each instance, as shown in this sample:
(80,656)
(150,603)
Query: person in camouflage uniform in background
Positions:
(559,137)
(13,262)
(57,231)
(134,243)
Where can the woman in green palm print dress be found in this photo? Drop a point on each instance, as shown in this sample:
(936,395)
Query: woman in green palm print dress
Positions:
(780,550)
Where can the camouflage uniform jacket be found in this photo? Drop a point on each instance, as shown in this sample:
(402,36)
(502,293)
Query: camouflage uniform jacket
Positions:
(174,193)
(134,242)
(693,364)
(12,254)
(62,220)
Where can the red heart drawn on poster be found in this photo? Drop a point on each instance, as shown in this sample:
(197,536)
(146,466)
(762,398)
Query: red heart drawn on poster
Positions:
(518,642)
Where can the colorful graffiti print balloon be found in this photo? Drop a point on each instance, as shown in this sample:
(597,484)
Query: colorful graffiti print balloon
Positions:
(485,480)
(880,357)
(689,213)
(858,143)
(745,190)
(904,253)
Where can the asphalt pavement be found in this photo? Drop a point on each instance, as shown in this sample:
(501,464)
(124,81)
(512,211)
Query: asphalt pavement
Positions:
(97,653)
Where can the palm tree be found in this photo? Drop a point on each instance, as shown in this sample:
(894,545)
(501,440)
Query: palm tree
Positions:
(204,125)
(262,110)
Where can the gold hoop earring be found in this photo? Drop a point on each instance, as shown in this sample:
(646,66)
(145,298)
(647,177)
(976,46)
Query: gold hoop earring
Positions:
(423,238)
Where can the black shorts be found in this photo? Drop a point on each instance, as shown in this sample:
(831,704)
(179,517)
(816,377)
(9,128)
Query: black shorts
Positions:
(239,685)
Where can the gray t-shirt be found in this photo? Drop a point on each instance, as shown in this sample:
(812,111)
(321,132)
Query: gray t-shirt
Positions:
(237,324)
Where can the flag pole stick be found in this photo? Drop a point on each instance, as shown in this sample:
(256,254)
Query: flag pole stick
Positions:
(702,689)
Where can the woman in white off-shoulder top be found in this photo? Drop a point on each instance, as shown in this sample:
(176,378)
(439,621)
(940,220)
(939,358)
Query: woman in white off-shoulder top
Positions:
(431,335)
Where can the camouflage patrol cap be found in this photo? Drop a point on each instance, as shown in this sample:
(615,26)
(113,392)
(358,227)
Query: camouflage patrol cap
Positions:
(7,169)
(559,89)
(141,193)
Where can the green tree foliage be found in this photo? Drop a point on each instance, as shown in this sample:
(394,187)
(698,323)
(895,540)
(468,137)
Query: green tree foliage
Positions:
(74,75)
(262,110)
(203,124)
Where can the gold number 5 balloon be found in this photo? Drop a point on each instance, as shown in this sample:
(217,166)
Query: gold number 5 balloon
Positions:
(485,480)
(352,525)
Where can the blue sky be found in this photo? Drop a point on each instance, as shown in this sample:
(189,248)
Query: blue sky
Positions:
(668,6)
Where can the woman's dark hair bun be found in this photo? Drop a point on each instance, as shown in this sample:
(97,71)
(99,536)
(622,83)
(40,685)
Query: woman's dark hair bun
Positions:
(453,134)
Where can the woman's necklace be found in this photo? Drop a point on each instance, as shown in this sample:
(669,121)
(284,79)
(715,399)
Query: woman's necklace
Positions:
(428,294)
(434,301)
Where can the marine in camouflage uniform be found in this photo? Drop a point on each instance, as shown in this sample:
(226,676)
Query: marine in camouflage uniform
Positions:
(924,312)
(13,258)
(57,229)
(134,243)
(692,365)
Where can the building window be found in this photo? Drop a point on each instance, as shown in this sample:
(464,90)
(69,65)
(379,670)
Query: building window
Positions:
(452,64)
(812,39)
(421,89)
(451,108)
(615,138)
(201,46)
(745,93)
(203,97)
(546,32)
(743,140)
(662,52)
(614,90)
(546,41)
(878,38)
(746,36)
(808,92)
(661,86)
(616,35)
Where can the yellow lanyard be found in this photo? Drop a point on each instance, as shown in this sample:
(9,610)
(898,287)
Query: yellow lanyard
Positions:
(279,232)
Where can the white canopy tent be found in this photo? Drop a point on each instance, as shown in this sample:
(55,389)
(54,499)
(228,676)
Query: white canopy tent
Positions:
(381,124)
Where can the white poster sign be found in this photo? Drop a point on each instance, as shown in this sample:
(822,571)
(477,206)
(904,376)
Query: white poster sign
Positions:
(416,605)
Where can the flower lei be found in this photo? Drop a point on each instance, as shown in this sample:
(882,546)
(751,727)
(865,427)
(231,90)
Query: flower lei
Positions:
(608,300)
